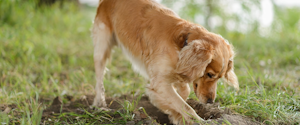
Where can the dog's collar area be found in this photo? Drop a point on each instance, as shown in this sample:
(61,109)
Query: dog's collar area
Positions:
(185,43)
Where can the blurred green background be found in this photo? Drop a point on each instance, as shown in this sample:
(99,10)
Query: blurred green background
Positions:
(46,51)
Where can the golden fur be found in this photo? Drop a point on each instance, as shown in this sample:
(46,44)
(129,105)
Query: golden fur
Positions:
(153,38)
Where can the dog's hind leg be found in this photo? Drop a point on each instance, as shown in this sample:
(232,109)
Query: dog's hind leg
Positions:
(103,43)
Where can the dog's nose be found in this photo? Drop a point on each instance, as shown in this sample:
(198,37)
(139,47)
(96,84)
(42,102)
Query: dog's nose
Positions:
(209,101)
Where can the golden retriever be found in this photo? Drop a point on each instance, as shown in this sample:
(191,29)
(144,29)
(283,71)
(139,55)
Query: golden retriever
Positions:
(167,50)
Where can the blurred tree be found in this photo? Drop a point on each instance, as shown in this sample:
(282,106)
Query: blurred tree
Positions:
(286,17)
(9,8)
(218,14)
(51,2)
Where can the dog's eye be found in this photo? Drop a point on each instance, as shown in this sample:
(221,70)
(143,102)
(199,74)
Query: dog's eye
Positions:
(210,75)
(196,85)
(185,43)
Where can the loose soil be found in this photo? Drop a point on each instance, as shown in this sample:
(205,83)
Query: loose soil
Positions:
(73,109)
(211,112)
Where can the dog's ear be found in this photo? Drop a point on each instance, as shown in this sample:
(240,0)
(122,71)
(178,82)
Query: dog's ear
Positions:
(181,40)
(193,60)
(230,76)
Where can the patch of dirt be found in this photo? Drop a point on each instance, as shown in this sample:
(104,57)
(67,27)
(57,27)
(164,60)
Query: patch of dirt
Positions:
(7,108)
(218,116)
(210,112)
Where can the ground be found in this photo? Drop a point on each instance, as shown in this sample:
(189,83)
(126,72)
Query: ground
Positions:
(46,55)
(143,112)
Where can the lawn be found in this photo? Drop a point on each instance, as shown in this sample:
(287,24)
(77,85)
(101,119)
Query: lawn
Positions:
(47,53)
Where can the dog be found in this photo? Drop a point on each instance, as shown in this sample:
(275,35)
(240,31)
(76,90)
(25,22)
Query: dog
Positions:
(168,51)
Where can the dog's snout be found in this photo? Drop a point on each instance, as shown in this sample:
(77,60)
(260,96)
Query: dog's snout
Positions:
(209,101)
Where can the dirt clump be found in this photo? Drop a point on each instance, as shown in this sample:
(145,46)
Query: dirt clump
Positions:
(216,115)
(7,108)
(207,111)
(144,112)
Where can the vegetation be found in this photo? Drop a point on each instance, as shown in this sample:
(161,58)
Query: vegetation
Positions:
(47,52)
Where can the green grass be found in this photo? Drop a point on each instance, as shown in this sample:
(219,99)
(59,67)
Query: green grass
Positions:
(47,52)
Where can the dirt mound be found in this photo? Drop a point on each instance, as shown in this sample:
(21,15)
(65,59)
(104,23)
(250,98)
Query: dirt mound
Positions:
(7,108)
(218,116)
(149,114)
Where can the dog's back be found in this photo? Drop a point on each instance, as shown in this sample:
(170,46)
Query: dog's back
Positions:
(139,25)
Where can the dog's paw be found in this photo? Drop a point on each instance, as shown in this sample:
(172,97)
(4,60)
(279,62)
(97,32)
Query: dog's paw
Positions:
(99,103)
(202,122)
(177,119)
(96,108)
(104,109)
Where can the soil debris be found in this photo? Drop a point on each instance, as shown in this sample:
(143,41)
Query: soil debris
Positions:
(145,112)
(208,111)
(7,108)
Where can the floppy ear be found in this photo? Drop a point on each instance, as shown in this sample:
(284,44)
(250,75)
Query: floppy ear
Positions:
(230,76)
(193,60)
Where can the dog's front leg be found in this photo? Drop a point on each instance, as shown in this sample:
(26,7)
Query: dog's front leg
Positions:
(183,89)
(164,96)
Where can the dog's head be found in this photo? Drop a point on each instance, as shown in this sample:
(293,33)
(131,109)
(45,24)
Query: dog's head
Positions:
(203,60)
